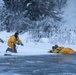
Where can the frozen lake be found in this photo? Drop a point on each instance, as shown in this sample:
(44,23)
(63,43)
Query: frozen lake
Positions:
(38,65)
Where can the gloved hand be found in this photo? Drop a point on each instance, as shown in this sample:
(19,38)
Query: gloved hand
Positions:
(2,41)
(22,44)
(18,43)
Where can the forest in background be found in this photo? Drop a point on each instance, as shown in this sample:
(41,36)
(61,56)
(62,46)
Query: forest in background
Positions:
(40,18)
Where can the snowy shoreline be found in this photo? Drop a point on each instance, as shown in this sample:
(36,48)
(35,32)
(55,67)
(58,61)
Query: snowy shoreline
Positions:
(29,48)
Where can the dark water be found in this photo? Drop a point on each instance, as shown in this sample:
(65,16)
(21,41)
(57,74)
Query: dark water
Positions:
(38,65)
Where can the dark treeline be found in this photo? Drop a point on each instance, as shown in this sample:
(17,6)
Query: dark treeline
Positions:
(39,17)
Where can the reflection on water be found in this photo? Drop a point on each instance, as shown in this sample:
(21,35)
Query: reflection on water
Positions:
(38,65)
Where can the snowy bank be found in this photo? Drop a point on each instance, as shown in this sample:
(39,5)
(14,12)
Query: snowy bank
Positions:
(29,48)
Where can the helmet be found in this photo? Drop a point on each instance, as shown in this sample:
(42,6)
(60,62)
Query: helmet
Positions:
(54,47)
(16,34)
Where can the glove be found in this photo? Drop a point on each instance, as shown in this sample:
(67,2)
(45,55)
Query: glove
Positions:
(22,44)
(2,41)
(18,43)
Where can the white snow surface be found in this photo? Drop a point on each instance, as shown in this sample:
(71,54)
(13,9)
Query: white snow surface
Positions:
(29,48)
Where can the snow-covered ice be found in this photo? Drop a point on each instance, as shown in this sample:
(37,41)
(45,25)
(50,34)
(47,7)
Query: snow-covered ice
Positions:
(29,48)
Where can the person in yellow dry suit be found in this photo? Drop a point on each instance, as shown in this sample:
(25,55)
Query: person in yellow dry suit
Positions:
(63,50)
(1,40)
(13,40)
